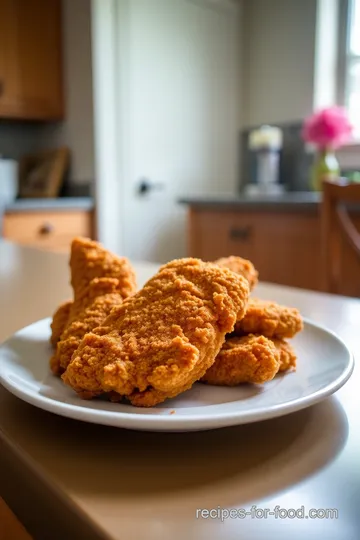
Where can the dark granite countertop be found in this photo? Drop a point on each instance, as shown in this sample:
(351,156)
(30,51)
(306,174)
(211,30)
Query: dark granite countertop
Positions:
(293,200)
(44,205)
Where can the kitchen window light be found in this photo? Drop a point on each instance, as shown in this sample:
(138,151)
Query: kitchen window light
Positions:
(349,62)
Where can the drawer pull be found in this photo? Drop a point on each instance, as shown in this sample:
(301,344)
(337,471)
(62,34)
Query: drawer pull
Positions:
(46,229)
(240,233)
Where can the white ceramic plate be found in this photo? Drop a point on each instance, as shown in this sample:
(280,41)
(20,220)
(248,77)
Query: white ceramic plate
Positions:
(324,365)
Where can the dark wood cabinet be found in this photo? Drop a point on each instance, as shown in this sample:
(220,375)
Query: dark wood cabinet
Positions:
(31,85)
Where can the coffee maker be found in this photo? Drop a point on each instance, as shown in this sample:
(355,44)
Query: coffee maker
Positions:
(294,160)
(265,144)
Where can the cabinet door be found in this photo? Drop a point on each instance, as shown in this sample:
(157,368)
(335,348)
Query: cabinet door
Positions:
(39,53)
(285,247)
(215,234)
(288,248)
(9,65)
(31,59)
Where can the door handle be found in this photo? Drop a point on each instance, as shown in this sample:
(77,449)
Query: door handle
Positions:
(240,234)
(46,228)
(145,186)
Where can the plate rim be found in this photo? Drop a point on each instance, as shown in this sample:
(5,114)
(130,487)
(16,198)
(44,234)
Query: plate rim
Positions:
(173,422)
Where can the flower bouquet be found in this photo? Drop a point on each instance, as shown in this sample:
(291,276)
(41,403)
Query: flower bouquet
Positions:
(327,129)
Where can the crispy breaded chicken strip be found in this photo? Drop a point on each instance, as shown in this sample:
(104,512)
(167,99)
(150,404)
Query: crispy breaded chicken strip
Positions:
(240,266)
(59,321)
(269,319)
(88,311)
(163,339)
(287,354)
(89,260)
(250,359)
(247,359)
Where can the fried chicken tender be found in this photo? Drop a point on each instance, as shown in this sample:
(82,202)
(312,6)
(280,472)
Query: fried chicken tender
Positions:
(240,266)
(246,359)
(287,354)
(87,312)
(269,319)
(250,359)
(93,300)
(59,321)
(163,339)
(89,260)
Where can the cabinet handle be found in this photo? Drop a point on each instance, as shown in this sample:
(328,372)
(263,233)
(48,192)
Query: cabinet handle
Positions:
(46,229)
(240,233)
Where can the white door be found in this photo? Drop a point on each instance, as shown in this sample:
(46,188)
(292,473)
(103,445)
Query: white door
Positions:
(177,100)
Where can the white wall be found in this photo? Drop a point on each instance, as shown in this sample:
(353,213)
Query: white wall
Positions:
(77,130)
(349,157)
(278,61)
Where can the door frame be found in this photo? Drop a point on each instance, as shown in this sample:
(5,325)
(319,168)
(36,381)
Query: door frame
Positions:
(107,190)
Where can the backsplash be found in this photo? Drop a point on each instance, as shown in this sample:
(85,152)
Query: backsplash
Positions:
(18,138)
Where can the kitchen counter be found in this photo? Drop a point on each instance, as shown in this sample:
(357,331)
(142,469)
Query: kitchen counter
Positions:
(45,205)
(68,479)
(291,201)
(306,200)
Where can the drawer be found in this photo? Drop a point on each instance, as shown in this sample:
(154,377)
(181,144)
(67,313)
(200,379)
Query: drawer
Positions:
(47,230)
(217,234)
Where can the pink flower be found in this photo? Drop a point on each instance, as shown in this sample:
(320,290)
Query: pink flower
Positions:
(328,128)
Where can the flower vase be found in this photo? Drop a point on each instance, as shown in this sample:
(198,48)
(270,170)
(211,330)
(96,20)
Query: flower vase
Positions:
(326,167)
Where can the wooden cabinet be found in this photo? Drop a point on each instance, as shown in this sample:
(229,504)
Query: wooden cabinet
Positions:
(47,230)
(284,244)
(31,60)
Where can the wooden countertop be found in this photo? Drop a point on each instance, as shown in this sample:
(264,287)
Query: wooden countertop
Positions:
(67,479)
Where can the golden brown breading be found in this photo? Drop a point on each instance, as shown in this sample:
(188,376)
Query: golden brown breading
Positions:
(269,319)
(250,359)
(88,311)
(163,339)
(240,266)
(247,359)
(287,354)
(89,260)
(59,321)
